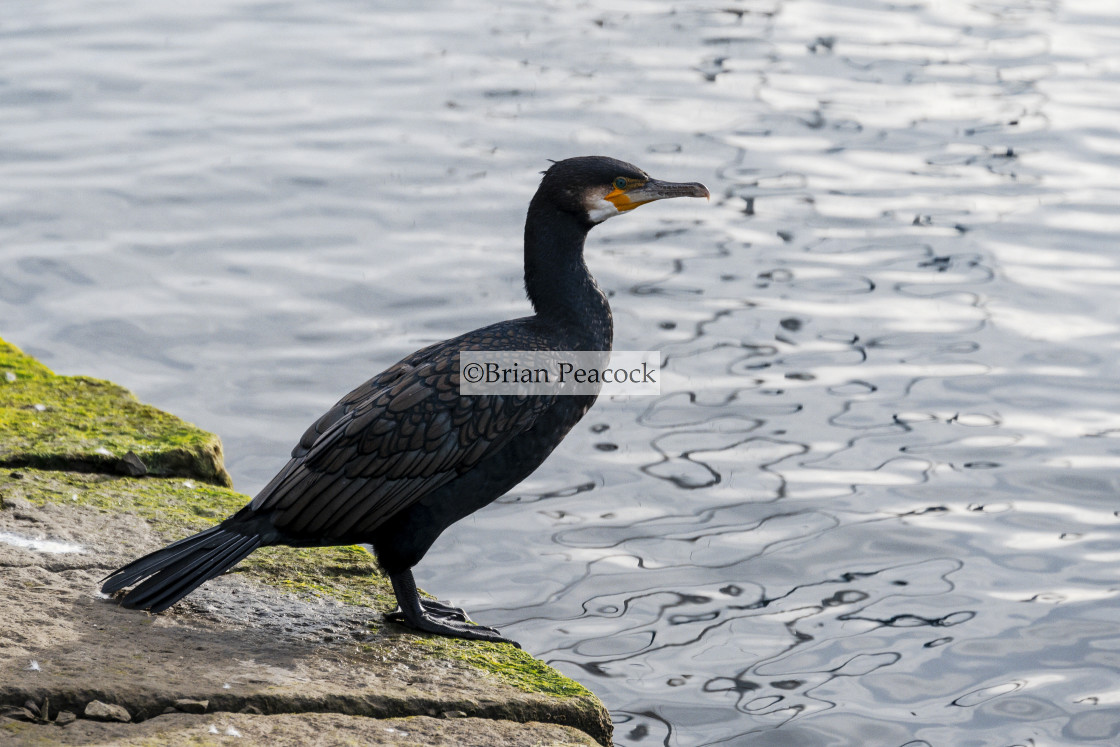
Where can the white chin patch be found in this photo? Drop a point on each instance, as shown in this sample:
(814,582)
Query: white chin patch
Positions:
(600,210)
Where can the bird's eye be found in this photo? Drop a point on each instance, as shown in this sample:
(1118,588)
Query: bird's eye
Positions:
(620,182)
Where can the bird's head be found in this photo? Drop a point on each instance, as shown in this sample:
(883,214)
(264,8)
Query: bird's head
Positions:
(598,187)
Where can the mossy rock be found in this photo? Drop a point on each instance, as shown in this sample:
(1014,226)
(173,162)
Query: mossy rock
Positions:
(176,508)
(78,423)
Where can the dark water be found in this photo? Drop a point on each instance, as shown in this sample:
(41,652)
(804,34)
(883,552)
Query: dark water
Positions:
(876,503)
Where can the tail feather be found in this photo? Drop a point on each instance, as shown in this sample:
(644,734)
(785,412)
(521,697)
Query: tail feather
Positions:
(171,573)
(171,584)
(164,594)
(145,566)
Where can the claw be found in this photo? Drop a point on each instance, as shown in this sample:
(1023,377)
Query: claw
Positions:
(428,624)
(433,608)
(442,609)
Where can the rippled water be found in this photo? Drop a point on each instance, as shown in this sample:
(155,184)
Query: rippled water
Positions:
(877,500)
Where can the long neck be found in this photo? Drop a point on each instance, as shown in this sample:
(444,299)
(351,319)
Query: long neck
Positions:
(559,286)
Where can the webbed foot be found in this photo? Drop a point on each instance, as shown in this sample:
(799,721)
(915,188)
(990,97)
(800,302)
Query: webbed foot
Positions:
(430,616)
(434,608)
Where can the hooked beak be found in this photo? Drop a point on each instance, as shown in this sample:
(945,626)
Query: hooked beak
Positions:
(652,190)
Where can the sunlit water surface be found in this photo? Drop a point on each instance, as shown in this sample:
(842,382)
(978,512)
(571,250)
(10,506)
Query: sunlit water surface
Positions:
(876,502)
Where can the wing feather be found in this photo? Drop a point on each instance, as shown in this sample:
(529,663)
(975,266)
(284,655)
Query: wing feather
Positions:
(394,439)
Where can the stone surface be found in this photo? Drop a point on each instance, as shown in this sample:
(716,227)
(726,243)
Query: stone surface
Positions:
(186,705)
(298,730)
(242,641)
(98,711)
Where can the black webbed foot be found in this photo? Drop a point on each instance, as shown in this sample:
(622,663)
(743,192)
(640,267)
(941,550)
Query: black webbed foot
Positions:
(445,626)
(434,608)
(430,616)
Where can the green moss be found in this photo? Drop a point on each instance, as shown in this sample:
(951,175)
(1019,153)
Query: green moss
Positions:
(74,422)
(174,507)
(346,574)
(512,665)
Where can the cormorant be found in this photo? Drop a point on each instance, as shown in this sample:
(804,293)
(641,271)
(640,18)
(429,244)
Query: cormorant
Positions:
(404,456)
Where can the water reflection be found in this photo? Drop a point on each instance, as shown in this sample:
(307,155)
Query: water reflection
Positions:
(875,503)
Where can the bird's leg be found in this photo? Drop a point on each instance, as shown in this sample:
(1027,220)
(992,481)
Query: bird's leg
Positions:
(435,617)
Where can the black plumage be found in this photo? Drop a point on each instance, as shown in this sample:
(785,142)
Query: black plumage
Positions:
(404,456)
